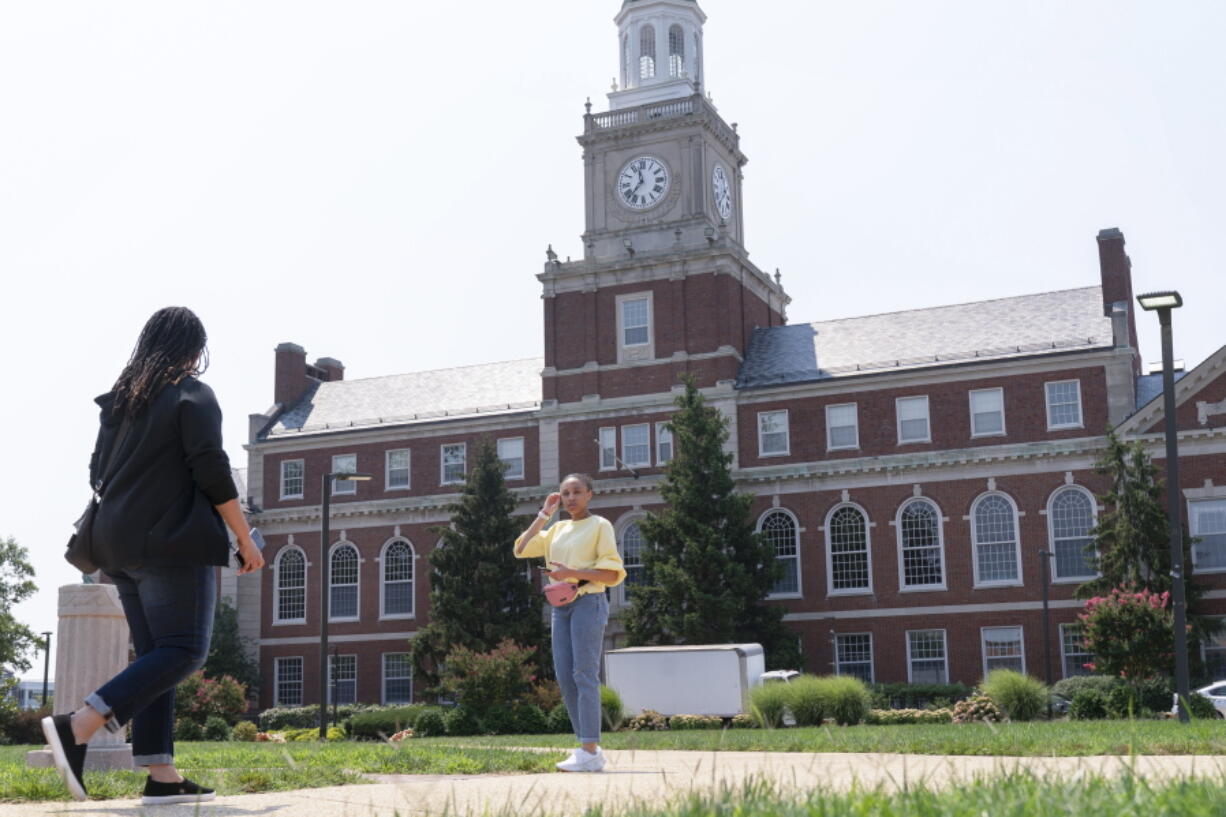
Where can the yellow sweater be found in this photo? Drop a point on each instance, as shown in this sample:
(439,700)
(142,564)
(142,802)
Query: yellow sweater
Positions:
(585,544)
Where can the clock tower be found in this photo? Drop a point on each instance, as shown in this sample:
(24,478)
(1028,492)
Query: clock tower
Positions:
(665,285)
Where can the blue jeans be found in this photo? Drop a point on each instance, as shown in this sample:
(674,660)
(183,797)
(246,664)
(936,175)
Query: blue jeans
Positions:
(170,613)
(578,641)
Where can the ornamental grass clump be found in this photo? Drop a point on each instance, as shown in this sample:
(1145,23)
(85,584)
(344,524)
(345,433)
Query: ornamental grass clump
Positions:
(808,699)
(847,699)
(976,709)
(611,710)
(768,702)
(1019,696)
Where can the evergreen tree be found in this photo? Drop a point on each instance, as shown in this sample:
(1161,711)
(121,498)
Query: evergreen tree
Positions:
(1130,545)
(478,593)
(229,652)
(706,570)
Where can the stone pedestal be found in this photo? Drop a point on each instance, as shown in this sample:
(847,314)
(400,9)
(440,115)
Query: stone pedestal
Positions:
(92,648)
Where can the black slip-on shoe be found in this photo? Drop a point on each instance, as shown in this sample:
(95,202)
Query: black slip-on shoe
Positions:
(157,794)
(68,754)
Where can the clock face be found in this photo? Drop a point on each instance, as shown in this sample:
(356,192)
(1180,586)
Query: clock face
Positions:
(722,191)
(642,182)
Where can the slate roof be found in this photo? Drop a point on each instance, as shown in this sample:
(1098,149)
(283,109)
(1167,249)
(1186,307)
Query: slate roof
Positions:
(1149,386)
(1021,326)
(465,391)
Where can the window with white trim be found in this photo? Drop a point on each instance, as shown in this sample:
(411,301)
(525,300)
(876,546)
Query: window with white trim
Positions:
(647,52)
(920,547)
(913,426)
(511,452)
(847,550)
(1070,516)
(1213,651)
(994,538)
(344,464)
(398,471)
(1063,404)
(664,443)
(987,412)
(632,554)
(1002,649)
(343,576)
(288,671)
(454,460)
(293,478)
(290,586)
(397,572)
(636,445)
(773,438)
(397,678)
(1208,517)
(676,51)
(778,528)
(636,321)
(842,427)
(1073,653)
(854,655)
(608,448)
(926,657)
(342,679)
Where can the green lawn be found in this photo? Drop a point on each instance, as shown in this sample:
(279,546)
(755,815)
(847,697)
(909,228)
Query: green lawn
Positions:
(1060,738)
(237,768)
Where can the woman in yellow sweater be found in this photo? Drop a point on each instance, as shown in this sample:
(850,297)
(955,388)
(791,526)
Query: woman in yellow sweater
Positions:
(581,550)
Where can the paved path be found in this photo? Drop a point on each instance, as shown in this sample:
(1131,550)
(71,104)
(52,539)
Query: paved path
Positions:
(630,776)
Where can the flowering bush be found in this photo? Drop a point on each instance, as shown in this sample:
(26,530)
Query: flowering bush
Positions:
(1130,633)
(975,709)
(198,698)
(647,721)
(695,722)
(890,717)
(744,721)
(403,734)
(482,681)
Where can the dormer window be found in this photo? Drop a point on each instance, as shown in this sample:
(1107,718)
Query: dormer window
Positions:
(647,52)
(676,51)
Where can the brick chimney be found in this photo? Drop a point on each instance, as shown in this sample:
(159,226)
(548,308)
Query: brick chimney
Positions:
(329,369)
(1118,303)
(291,378)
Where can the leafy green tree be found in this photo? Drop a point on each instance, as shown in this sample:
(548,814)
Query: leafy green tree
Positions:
(229,652)
(1130,545)
(479,595)
(1131,634)
(706,570)
(17,641)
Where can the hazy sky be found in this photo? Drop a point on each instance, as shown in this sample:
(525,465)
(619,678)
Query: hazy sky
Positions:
(377,181)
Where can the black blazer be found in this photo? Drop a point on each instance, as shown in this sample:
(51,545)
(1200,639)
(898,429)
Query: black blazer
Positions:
(171,470)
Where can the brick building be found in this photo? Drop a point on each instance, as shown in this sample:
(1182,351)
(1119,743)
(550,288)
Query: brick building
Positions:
(908,467)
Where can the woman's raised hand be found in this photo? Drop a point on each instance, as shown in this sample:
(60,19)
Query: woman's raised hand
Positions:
(551,503)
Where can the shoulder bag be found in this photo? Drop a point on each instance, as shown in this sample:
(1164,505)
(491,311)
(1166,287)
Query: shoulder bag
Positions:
(81,544)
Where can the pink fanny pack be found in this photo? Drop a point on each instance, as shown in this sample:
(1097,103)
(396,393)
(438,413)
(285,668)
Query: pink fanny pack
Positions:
(560,594)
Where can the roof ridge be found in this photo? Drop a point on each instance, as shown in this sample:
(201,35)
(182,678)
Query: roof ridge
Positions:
(440,369)
(949,306)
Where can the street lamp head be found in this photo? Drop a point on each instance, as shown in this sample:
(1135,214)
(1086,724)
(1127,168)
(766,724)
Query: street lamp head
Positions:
(353,477)
(1160,300)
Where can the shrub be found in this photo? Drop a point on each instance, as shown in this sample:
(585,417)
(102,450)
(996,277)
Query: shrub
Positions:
(559,720)
(500,720)
(187,729)
(648,720)
(482,681)
(695,722)
(1089,704)
(244,731)
(808,700)
(25,727)
(216,728)
(461,721)
(975,709)
(199,698)
(1069,687)
(1130,633)
(430,723)
(1123,702)
(1019,696)
(917,696)
(1155,694)
(1201,707)
(545,694)
(530,719)
(303,717)
(768,702)
(611,708)
(892,717)
(847,699)
(376,724)
(743,721)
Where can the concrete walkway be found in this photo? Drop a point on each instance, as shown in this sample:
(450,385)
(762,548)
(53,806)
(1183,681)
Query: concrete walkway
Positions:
(631,777)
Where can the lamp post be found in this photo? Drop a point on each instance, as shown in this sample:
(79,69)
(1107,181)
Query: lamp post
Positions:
(46,662)
(1045,559)
(1163,303)
(324,581)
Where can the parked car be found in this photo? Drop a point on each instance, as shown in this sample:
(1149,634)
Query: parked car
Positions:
(1215,692)
(1060,705)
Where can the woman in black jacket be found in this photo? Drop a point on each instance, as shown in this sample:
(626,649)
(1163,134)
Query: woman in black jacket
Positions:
(158,534)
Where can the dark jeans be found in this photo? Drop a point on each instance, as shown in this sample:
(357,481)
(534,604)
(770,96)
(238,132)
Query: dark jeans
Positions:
(170,613)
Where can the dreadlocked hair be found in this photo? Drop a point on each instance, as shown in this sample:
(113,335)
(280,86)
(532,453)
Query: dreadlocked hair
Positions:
(171,347)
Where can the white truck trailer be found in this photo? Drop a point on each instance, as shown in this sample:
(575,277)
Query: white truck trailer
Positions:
(700,679)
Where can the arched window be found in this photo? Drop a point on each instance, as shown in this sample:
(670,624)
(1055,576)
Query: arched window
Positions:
(919,548)
(290,585)
(847,550)
(647,52)
(676,51)
(396,564)
(343,574)
(994,535)
(632,554)
(779,529)
(1070,515)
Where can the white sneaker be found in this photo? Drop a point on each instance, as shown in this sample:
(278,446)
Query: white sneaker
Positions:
(583,761)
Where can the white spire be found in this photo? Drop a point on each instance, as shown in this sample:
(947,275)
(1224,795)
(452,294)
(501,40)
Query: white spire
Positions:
(660,51)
